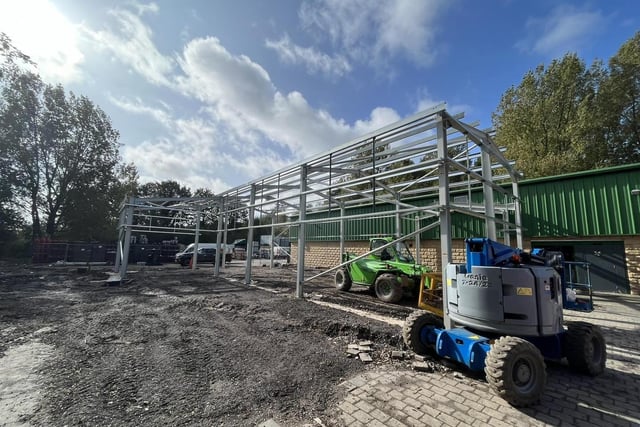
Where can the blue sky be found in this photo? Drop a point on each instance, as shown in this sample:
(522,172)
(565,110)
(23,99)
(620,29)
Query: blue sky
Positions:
(216,93)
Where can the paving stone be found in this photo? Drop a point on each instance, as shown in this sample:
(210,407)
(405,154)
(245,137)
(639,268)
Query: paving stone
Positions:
(362,416)
(379,415)
(366,407)
(444,398)
(392,422)
(365,357)
(423,366)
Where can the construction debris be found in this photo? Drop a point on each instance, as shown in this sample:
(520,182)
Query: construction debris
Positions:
(398,354)
(361,350)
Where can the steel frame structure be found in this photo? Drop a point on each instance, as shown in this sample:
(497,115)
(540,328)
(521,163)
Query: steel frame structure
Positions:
(424,155)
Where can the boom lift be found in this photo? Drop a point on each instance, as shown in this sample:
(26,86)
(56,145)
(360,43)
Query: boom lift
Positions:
(508,309)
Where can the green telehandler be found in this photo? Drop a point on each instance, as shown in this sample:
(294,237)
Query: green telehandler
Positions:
(390,271)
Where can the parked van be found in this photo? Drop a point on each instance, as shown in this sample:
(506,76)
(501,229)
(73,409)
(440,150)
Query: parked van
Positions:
(206,253)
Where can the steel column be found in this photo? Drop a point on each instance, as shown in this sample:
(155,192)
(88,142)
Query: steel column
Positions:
(301,231)
(249,252)
(219,250)
(445,213)
(128,222)
(518,214)
(194,257)
(487,189)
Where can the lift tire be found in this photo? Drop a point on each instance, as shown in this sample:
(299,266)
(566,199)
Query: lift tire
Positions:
(585,348)
(343,280)
(412,331)
(388,289)
(516,371)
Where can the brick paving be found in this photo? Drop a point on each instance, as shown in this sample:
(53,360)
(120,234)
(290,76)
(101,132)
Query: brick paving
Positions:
(395,397)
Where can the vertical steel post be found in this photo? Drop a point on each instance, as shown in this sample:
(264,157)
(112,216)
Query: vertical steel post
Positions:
(121,230)
(249,252)
(271,245)
(128,222)
(398,219)
(487,190)
(505,228)
(301,231)
(196,240)
(417,240)
(342,228)
(445,213)
(219,250)
(225,241)
(517,213)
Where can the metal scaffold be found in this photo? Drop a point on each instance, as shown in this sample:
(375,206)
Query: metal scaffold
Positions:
(426,156)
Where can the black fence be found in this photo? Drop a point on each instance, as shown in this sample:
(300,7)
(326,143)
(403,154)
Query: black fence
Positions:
(78,252)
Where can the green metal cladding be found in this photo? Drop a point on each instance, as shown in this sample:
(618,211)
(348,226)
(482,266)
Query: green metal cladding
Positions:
(591,203)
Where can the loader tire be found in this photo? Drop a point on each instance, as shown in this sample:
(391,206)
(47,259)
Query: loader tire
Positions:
(516,371)
(343,280)
(418,332)
(585,348)
(388,289)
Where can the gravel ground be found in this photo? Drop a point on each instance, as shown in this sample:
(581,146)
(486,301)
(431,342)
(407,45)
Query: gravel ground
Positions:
(178,347)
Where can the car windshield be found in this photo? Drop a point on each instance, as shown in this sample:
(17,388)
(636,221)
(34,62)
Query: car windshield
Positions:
(399,251)
(403,253)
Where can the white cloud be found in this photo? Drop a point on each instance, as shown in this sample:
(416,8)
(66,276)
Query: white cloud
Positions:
(371,32)
(132,44)
(146,8)
(189,152)
(161,115)
(49,39)
(565,29)
(312,59)
(380,117)
(240,93)
(243,127)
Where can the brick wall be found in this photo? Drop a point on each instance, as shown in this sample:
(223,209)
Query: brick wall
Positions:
(327,254)
(632,255)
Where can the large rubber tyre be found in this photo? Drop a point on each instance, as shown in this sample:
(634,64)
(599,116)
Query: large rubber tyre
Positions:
(343,280)
(585,348)
(388,289)
(413,328)
(516,371)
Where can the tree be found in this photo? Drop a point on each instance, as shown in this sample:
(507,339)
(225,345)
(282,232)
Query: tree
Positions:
(545,121)
(172,218)
(19,120)
(619,104)
(10,218)
(59,154)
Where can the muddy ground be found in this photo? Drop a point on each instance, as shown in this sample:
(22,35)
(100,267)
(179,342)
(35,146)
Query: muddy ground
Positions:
(173,346)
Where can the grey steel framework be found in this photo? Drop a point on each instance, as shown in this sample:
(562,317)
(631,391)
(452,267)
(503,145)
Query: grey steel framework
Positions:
(427,154)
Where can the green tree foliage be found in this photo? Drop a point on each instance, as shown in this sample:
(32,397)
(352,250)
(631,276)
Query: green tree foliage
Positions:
(59,156)
(567,117)
(544,120)
(170,219)
(619,104)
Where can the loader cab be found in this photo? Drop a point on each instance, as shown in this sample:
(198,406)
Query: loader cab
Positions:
(398,252)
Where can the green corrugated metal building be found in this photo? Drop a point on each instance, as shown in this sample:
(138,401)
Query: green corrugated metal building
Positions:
(591,216)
